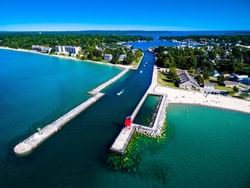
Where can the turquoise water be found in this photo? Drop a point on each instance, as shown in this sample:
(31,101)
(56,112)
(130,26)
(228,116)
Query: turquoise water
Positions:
(148,111)
(76,156)
(36,89)
(205,147)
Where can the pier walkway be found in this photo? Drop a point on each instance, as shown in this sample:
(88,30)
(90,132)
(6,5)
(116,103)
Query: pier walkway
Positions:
(109,82)
(26,146)
(121,142)
(33,141)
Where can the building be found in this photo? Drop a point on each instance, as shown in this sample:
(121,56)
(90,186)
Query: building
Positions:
(236,77)
(122,57)
(245,81)
(42,49)
(231,83)
(186,80)
(108,57)
(163,70)
(68,50)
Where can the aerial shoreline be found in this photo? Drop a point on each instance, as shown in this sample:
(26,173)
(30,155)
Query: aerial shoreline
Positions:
(72,58)
(179,96)
(192,97)
(227,103)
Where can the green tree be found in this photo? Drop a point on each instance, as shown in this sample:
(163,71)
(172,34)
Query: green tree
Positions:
(221,80)
(200,80)
(235,89)
(172,75)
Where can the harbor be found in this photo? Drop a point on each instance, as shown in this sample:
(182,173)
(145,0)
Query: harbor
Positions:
(121,142)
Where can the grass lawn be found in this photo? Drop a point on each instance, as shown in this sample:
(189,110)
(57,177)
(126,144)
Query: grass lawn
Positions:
(228,89)
(161,79)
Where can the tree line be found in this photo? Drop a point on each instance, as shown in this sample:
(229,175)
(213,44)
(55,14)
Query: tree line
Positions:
(205,61)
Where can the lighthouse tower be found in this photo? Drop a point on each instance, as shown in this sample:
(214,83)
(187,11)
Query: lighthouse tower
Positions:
(128,122)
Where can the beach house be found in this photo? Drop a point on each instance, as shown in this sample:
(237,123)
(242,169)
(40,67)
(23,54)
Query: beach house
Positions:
(186,81)
(108,57)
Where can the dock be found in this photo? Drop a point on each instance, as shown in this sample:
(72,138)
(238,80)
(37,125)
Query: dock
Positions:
(26,146)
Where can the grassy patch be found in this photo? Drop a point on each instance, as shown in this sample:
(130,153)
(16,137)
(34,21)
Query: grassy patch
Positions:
(228,89)
(161,79)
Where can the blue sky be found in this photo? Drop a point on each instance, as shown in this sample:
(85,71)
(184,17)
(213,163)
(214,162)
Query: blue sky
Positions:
(125,15)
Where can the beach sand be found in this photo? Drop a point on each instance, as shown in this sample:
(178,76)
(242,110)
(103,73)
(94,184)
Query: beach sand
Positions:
(197,98)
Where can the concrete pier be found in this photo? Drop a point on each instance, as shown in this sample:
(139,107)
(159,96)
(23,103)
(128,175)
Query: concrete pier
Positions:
(109,82)
(30,143)
(149,90)
(121,142)
(156,129)
(37,138)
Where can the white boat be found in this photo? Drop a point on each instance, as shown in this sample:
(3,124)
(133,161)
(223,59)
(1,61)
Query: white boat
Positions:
(120,92)
(141,71)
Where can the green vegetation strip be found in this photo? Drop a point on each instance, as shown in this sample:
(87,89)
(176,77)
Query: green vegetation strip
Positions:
(162,80)
(132,157)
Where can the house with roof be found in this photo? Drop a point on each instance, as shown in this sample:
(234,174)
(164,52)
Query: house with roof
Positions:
(186,81)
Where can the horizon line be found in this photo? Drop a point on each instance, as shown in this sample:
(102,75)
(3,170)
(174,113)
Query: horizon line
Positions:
(120,30)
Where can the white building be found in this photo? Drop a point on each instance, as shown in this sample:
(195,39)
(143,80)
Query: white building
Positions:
(42,49)
(122,57)
(108,57)
(68,50)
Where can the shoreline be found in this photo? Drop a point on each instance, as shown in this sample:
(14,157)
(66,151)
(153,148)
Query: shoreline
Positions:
(177,96)
(72,58)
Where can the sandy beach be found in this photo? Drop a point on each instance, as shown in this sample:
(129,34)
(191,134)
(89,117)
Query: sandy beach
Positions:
(197,98)
(71,58)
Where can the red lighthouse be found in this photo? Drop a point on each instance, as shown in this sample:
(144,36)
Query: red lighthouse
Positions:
(128,121)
